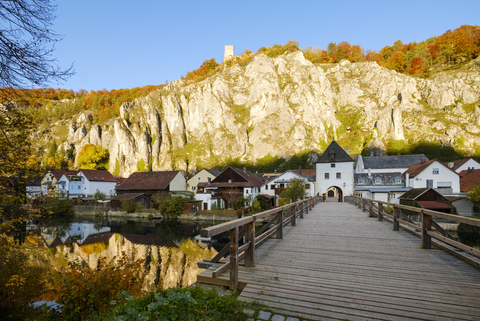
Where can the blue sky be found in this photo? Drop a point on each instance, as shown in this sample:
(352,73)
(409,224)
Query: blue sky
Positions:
(126,44)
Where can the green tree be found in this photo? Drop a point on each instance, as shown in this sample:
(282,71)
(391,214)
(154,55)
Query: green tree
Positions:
(295,190)
(93,157)
(169,206)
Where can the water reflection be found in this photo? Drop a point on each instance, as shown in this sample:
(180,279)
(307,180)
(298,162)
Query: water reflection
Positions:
(171,250)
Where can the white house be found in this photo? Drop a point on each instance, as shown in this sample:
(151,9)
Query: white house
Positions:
(433,174)
(387,164)
(335,172)
(97,181)
(464,164)
(71,184)
(282,181)
(385,187)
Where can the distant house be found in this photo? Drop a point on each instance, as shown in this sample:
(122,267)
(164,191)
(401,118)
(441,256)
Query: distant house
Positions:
(468,179)
(464,164)
(433,174)
(33,187)
(203,176)
(137,198)
(277,184)
(311,176)
(97,181)
(49,181)
(232,184)
(152,183)
(427,198)
(386,187)
(386,164)
(334,172)
(71,184)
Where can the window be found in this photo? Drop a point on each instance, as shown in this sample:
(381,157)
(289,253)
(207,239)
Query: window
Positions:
(272,187)
(331,156)
(266,187)
(229,180)
(307,186)
(361,181)
(397,180)
(282,185)
(194,188)
(332,165)
(79,187)
(209,180)
(198,179)
(327,175)
(246,191)
(339,175)
(435,171)
(430,183)
(377,181)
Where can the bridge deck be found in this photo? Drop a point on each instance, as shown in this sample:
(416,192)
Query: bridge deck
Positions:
(338,263)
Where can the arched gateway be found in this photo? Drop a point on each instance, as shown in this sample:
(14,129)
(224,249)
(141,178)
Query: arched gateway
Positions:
(334,194)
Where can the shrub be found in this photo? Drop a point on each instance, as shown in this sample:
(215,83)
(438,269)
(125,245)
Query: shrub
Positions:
(169,206)
(130,207)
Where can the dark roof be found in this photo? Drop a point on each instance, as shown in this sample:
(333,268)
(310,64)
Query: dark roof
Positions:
(414,193)
(338,155)
(128,196)
(120,180)
(99,176)
(460,162)
(37,181)
(469,180)
(400,161)
(213,172)
(453,198)
(416,169)
(148,181)
(249,176)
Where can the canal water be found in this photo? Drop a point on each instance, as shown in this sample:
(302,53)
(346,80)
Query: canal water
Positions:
(170,250)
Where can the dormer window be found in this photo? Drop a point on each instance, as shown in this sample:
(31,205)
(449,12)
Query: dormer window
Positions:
(331,156)
(397,180)
(332,165)
(361,181)
(377,181)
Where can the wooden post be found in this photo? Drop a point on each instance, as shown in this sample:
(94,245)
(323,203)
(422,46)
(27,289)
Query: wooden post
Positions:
(250,237)
(396,215)
(302,210)
(306,204)
(294,215)
(380,211)
(234,258)
(370,208)
(364,204)
(426,225)
(280,224)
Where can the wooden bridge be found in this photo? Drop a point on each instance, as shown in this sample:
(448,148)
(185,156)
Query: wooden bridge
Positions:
(339,262)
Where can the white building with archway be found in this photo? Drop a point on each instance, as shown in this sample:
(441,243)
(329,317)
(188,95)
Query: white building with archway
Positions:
(335,169)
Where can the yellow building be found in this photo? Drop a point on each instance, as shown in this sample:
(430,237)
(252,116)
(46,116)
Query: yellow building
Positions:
(204,176)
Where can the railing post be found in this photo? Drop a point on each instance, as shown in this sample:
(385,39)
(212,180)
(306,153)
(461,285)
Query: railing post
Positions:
(370,208)
(280,225)
(294,215)
(234,258)
(306,204)
(249,260)
(302,209)
(426,225)
(380,211)
(364,204)
(396,215)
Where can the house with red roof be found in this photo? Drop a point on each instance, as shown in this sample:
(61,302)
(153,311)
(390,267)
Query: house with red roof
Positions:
(464,164)
(87,182)
(152,183)
(433,174)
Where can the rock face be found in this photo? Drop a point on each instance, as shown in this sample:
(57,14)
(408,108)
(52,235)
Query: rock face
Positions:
(281,106)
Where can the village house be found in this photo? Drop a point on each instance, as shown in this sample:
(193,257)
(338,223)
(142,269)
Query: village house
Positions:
(463,165)
(276,185)
(433,174)
(153,183)
(334,173)
(311,176)
(49,181)
(203,176)
(386,187)
(231,185)
(427,198)
(387,164)
(87,182)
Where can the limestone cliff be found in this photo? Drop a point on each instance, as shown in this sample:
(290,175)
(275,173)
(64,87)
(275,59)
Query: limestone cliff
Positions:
(280,106)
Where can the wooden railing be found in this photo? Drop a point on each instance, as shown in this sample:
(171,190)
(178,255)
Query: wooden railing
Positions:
(245,227)
(378,208)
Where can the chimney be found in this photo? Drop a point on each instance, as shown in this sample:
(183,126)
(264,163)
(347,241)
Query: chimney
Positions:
(450,164)
(407,180)
(470,170)
(422,161)
(369,172)
(244,169)
(300,170)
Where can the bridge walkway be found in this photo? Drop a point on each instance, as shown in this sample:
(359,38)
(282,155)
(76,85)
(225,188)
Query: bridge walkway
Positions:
(337,263)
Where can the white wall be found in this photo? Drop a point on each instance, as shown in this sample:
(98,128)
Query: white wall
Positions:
(287,176)
(345,182)
(444,175)
(178,183)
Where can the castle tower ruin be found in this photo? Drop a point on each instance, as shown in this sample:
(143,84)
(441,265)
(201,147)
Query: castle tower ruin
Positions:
(229,52)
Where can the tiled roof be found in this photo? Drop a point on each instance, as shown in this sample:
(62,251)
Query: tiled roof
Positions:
(213,172)
(249,176)
(400,161)
(310,174)
(414,193)
(460,162)
(431,205)
(57,173)
(337,152)
(120,180)
(420,167)
(148,181)
(469,180)
(98,176)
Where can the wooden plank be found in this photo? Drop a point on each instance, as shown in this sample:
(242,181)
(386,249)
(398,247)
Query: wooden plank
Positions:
(234,258)
(250,240)
(213,281)
(225,227)
(463,247)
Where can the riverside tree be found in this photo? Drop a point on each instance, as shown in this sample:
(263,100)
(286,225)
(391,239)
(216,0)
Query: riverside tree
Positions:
(295,190)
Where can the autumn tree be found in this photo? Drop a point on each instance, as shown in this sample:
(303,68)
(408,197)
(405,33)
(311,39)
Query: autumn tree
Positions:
(295,190)
(396,62)
(93,157)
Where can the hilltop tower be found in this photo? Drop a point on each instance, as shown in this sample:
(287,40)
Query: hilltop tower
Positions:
(229,52)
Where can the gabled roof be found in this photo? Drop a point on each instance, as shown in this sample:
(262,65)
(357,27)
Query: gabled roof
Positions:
(249,176)
(431,205)
(469,180)
(148,181)
(414,193)
(213,172)
(128,196)
(36,181)
(278,179)
(416,169)
(57,173)
(400,161)
(98,176)
(334,154)
(310,174)
(458,163)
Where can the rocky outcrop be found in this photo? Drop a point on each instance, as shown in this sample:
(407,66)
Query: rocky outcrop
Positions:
(280,106)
